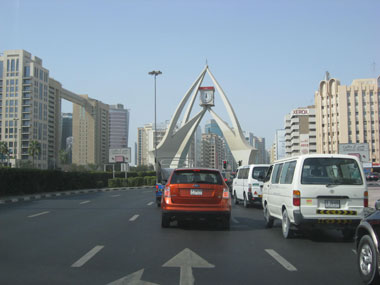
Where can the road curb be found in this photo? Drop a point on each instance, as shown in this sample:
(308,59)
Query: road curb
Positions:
(65,193)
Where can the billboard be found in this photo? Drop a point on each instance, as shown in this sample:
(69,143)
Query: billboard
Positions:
(120,155)
(361,150)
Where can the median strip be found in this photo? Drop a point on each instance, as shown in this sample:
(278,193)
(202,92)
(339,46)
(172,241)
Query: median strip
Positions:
(88,256)
(281,260)
(133,218)
(39,214)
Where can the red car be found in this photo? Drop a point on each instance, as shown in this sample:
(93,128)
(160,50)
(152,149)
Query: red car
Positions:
(196,193)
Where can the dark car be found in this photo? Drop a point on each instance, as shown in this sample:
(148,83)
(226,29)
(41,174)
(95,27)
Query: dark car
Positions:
(367,245)
(372,176)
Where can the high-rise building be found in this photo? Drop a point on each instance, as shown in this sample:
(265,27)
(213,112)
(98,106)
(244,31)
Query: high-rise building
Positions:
(119,126)
(90,132)
(212,151)
(280,142)
(25,106)
(145,142)
(67,128)
(300,131)
(348,114)
(259,144)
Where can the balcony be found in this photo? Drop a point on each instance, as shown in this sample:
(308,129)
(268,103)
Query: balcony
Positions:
(26,109)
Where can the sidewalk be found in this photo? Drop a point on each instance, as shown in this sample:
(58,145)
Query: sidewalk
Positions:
(19,198)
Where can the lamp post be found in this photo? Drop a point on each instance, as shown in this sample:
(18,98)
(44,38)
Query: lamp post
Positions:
(155,73)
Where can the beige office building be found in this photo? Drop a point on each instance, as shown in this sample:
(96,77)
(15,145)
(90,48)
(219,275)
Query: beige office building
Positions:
(90,132)
(300,131)
(26,107)
(348,114)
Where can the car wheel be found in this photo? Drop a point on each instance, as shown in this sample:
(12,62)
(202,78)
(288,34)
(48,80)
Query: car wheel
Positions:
(236,201)
(367,261)
(165,221)
(286,231)
(245,202)
(268,218)
(158,204)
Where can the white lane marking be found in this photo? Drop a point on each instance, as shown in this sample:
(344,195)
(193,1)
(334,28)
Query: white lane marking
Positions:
(354,251)
(281,260)
(235,221)
(87,256)
(38,214)
(133,218)
(58,194)
(85,202)
(115,195)
(14,200)
(150,203)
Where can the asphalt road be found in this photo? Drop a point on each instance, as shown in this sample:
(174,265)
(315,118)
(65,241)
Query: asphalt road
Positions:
(99,238)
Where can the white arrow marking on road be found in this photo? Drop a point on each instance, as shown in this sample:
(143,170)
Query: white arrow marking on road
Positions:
(187,259)
(132,279)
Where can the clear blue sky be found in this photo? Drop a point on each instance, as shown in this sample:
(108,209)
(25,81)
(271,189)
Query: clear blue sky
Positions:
(268,56)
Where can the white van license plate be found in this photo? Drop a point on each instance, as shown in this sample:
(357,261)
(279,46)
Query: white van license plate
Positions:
(196,192)
(332,203)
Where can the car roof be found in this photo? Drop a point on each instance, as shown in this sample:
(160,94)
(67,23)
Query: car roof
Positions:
(197,168)
(320,155)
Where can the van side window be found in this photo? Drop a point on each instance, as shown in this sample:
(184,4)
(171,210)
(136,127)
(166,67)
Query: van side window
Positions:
(276,173)
(288,172)
(245,173)
(239,175)
(267,177)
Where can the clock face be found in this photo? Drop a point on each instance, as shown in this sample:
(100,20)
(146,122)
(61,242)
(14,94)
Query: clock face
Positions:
(207,97)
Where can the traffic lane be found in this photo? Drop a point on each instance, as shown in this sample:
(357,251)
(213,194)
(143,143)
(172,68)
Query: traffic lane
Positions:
(239,255)
(51,242)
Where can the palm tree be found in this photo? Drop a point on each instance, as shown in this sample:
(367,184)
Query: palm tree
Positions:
(34,149)
(62,156)
(4,150)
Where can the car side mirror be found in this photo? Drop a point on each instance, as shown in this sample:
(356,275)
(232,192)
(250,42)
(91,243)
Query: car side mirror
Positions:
(377,205)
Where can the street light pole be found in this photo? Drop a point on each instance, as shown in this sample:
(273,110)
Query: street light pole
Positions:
(155,73)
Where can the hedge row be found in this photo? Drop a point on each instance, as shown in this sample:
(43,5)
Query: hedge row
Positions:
(132,181)
(20,181)
(119,174)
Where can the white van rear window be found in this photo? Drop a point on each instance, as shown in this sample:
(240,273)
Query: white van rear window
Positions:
(330,170)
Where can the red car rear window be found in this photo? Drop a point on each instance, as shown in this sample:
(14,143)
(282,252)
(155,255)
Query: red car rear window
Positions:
(196,176)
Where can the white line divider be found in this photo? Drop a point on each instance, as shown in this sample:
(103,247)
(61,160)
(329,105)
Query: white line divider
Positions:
(85,202)
(38,214)
(354,251)
(115,195)
(281,260)
(87,256)
(235,221)
(134,218)
(150,203)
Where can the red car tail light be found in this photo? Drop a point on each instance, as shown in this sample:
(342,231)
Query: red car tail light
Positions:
(167,192)
(296,198)
(226,193)
(365,199)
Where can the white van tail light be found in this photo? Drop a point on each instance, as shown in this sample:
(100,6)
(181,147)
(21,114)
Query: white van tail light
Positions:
(366,199)
(226,193)
(296,198)
(250,188)
(167,192)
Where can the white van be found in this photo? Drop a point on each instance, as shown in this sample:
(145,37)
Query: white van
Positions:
(248,183)
(316,190)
